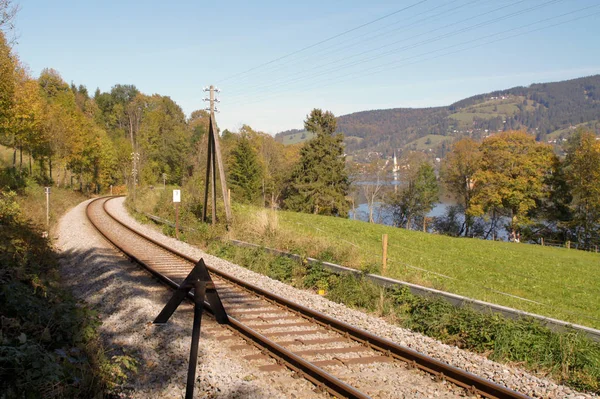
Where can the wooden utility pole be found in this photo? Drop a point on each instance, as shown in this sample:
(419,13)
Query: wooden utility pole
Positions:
(214,160)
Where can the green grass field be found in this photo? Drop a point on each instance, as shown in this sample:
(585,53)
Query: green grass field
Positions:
(421,143)
(296,138)
(555,282)
(488,110)
(566,132)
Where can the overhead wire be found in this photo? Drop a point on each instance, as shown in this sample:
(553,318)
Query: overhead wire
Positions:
(396,64)
(403,39)
(325,40)
(328,49)
(309,75)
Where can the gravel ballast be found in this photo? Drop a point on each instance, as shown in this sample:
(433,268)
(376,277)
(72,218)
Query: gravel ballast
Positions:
(128,299)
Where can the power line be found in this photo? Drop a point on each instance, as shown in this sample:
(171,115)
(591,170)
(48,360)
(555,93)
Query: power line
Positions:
(279,66)
(398,50)
(389,66)
(427,41)
(325,40)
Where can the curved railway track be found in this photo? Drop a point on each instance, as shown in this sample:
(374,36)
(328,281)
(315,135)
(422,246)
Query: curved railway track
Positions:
(310,343)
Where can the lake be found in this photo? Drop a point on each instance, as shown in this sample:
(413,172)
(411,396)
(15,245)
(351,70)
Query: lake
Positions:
(383,216)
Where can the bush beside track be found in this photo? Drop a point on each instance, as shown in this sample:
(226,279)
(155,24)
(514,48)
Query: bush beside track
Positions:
(49,341)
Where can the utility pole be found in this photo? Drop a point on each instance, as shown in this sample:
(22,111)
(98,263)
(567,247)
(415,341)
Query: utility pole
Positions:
(214,160)
(47,191)
(135,159)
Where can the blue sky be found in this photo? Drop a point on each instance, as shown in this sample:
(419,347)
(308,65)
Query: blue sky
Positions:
(432,53)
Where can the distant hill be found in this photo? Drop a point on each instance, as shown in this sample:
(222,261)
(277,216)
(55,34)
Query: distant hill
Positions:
(551,111)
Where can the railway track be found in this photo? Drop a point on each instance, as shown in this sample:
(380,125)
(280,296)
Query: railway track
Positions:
(315,346)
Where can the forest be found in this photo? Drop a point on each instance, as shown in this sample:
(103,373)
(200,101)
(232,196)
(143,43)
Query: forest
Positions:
(115,141)
(544,109)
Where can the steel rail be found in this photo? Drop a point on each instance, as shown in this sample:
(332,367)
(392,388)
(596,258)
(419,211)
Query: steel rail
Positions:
(322,379)
(469,381)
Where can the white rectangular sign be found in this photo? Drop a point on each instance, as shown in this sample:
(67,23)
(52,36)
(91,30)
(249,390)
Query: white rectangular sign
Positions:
(47,190)
(176,195)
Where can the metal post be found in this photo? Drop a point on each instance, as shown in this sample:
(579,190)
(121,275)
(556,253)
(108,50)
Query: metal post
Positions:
(199,280)
(135,157)
(177,220)
(199,293)
(47,189)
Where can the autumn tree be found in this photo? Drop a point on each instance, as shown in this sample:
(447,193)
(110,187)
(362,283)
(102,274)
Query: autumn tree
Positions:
(582,173)
(7,88)
(26,114)
(458,169)
(319,182)
(512,176)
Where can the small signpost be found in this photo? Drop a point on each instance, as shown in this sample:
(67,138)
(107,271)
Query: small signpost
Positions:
(47,191)
(199,280)
(176,201)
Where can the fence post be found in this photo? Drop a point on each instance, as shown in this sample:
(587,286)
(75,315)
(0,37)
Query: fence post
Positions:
(542,241)
(384,259)
(568,244)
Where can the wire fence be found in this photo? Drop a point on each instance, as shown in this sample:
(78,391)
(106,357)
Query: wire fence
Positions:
(377,257)
(478,285)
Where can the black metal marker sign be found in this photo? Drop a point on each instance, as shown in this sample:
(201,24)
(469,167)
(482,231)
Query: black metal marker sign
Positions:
(199,280)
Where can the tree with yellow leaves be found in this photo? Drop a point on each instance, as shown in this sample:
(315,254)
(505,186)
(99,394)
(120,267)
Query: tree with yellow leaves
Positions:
(512,176)
(582,173)
(458,169)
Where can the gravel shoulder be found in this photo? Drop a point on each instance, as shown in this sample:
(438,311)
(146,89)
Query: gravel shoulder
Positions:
(128,299)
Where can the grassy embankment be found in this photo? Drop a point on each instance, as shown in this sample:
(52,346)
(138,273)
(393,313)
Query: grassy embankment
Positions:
(49,344)
(476,268)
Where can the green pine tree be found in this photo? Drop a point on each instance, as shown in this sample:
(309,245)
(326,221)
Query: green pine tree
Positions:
(319,183)
(245,173)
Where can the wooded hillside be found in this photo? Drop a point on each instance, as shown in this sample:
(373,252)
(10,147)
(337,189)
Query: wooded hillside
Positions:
(550,110)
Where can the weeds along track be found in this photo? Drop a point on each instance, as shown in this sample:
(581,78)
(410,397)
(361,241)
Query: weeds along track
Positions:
(338,358)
